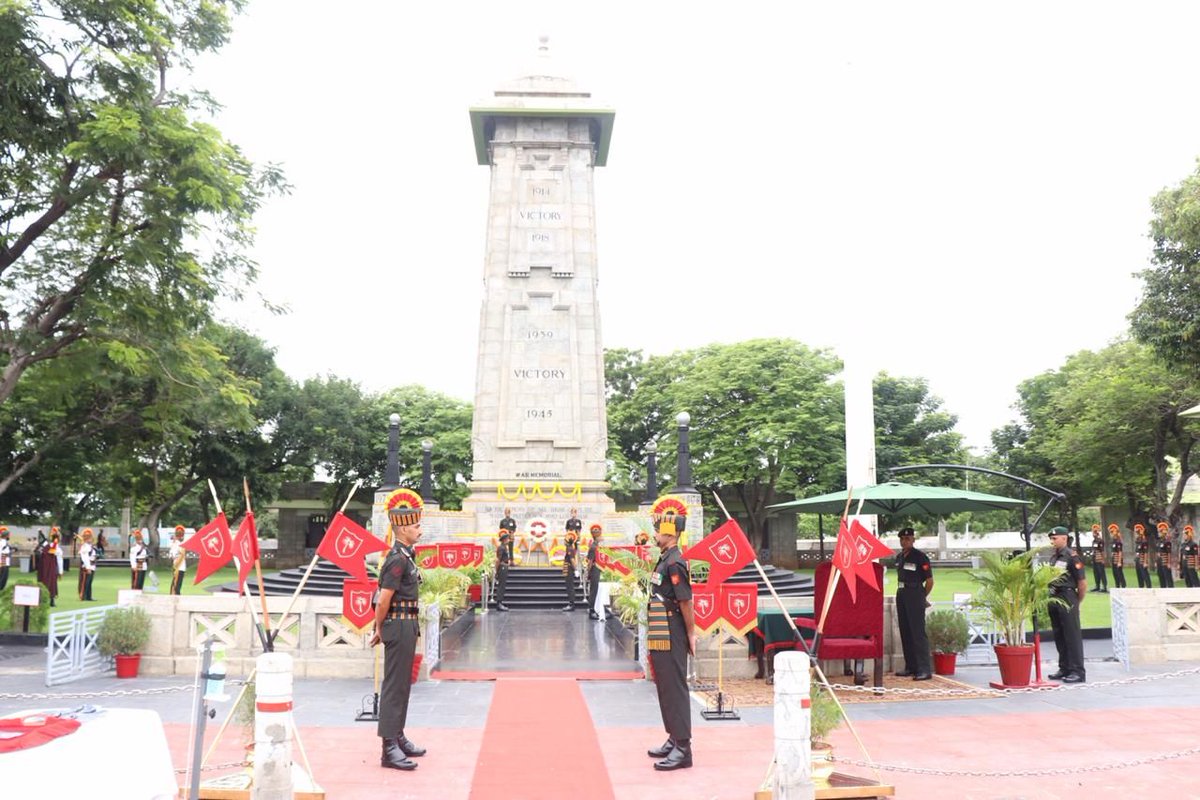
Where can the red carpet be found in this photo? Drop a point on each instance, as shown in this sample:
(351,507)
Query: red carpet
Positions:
(447,675)
(539,744)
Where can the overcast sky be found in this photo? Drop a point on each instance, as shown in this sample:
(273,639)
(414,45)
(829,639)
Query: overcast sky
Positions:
(959,191)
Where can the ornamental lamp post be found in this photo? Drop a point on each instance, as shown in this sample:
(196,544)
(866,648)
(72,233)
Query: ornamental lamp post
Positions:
(683,472)
(651,471)
(391,475)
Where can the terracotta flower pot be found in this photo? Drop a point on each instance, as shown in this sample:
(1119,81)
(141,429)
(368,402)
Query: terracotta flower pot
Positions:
(475,593)
(1016,662)
(943,663)
(127,665)
(416,672)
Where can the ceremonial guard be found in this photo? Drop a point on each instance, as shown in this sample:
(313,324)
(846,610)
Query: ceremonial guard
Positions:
(6,552)
(50,565)
(570,555)
(593,571)
(1098,572)
(914,582)
(1069,587)
(1188,556)
(397,627)
(1141,556)
(87,565)
(139,559)
(178,558)
(1165,579)
(508,523)
(1118,555)
(504,558)
(671,634)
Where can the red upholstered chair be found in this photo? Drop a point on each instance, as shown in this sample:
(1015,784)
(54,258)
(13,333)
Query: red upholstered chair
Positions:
(852,630)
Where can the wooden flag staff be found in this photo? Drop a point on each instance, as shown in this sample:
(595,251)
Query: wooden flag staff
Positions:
(262,590)
(311,565)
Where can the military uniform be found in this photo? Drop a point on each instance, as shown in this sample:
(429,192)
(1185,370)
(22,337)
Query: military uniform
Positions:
(508,524)
(1098,573)
(138,559)
(1118,556)
(593,575)
(1141,555)
(1068,636)
(6,552)
(1166,580)
(178,558)
(398,628)
(570,554)
(912,571)
(1189,555)
(87,566)
(504,557)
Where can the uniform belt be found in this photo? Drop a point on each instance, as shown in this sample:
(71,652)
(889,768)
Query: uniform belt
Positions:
(401,615)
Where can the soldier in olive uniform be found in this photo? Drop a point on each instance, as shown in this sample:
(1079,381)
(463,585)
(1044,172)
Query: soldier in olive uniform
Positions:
(1118,555)
(504,557)
(1188,555)
(570,554)
(1069,587)
(593,571)
(671,635)
(914,582)
(1098,573)
(1166,577)
(1141,556)
(397,627)
(508,523)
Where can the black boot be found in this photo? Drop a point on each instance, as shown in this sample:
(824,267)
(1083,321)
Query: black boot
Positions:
(680,757)
(409,748)
(664,750)
(393,757)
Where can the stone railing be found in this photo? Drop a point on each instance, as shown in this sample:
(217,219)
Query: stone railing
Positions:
(1153,626)
(321,641)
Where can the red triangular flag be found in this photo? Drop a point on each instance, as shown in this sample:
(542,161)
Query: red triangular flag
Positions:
(844,558)
(213,544)
(245,547)
(347,544)
(726,550)
(867,548)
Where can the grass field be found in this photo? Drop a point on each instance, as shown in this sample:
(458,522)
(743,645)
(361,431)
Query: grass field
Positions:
(109,579)
(1096,611)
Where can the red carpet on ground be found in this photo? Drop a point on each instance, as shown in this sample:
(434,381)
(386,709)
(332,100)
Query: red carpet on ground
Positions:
(616,675)
(539,744)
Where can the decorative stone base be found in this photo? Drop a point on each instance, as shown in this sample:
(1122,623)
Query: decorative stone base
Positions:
(1154,626)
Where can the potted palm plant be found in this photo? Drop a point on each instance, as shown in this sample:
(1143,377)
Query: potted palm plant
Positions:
(122,635)
(1012,590)
(948,636)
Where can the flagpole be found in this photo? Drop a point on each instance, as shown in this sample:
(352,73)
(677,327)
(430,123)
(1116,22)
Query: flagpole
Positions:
(770,587)
(262,591)
(312,564)
(216,499)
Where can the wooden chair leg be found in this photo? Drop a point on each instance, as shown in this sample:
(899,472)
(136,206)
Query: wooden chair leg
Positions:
(846,667)
(878,672)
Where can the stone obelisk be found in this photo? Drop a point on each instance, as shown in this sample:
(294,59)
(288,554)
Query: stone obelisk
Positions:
(539,436)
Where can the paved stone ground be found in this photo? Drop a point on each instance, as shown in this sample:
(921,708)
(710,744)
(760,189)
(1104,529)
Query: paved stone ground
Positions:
(1078,727)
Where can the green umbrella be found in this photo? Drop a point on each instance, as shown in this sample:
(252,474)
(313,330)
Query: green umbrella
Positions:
(903,498)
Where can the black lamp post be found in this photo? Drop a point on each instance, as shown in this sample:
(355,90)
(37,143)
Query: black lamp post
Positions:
(651,472)
(391,475)
(683,473)
(427,470)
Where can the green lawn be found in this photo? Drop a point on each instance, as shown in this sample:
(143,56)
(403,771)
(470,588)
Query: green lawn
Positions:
(109,579)
(1095,613)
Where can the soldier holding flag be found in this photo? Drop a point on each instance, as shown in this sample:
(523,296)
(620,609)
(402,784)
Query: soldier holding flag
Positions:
(396,626)
(87,565)
(178,558)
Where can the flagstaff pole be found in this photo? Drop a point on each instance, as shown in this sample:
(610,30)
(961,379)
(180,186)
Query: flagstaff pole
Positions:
(262,591)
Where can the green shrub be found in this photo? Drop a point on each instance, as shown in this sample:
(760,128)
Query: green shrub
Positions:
(947,630)
(124,631)
(826,714)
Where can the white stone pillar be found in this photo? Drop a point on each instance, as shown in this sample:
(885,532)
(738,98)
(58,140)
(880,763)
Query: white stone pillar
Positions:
(858,382)
(273,728)
(793,717)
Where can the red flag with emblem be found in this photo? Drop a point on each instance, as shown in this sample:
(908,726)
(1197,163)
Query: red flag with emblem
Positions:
(867,548)
(426,556)
(347,544)
(356,602)
(466,554)
(705,606)
(843,559)
(739,606)
(245,547)
(726,550)
(476,555)
(213,544)
(449,556)
(605,561)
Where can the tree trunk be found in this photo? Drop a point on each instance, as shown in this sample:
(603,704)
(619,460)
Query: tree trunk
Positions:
(154,514)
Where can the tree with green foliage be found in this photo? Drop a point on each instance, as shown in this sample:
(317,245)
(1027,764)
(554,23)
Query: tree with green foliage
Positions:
(123,215)
(1168,315)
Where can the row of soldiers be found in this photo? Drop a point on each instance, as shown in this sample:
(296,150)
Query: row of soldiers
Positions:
(1159,554)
